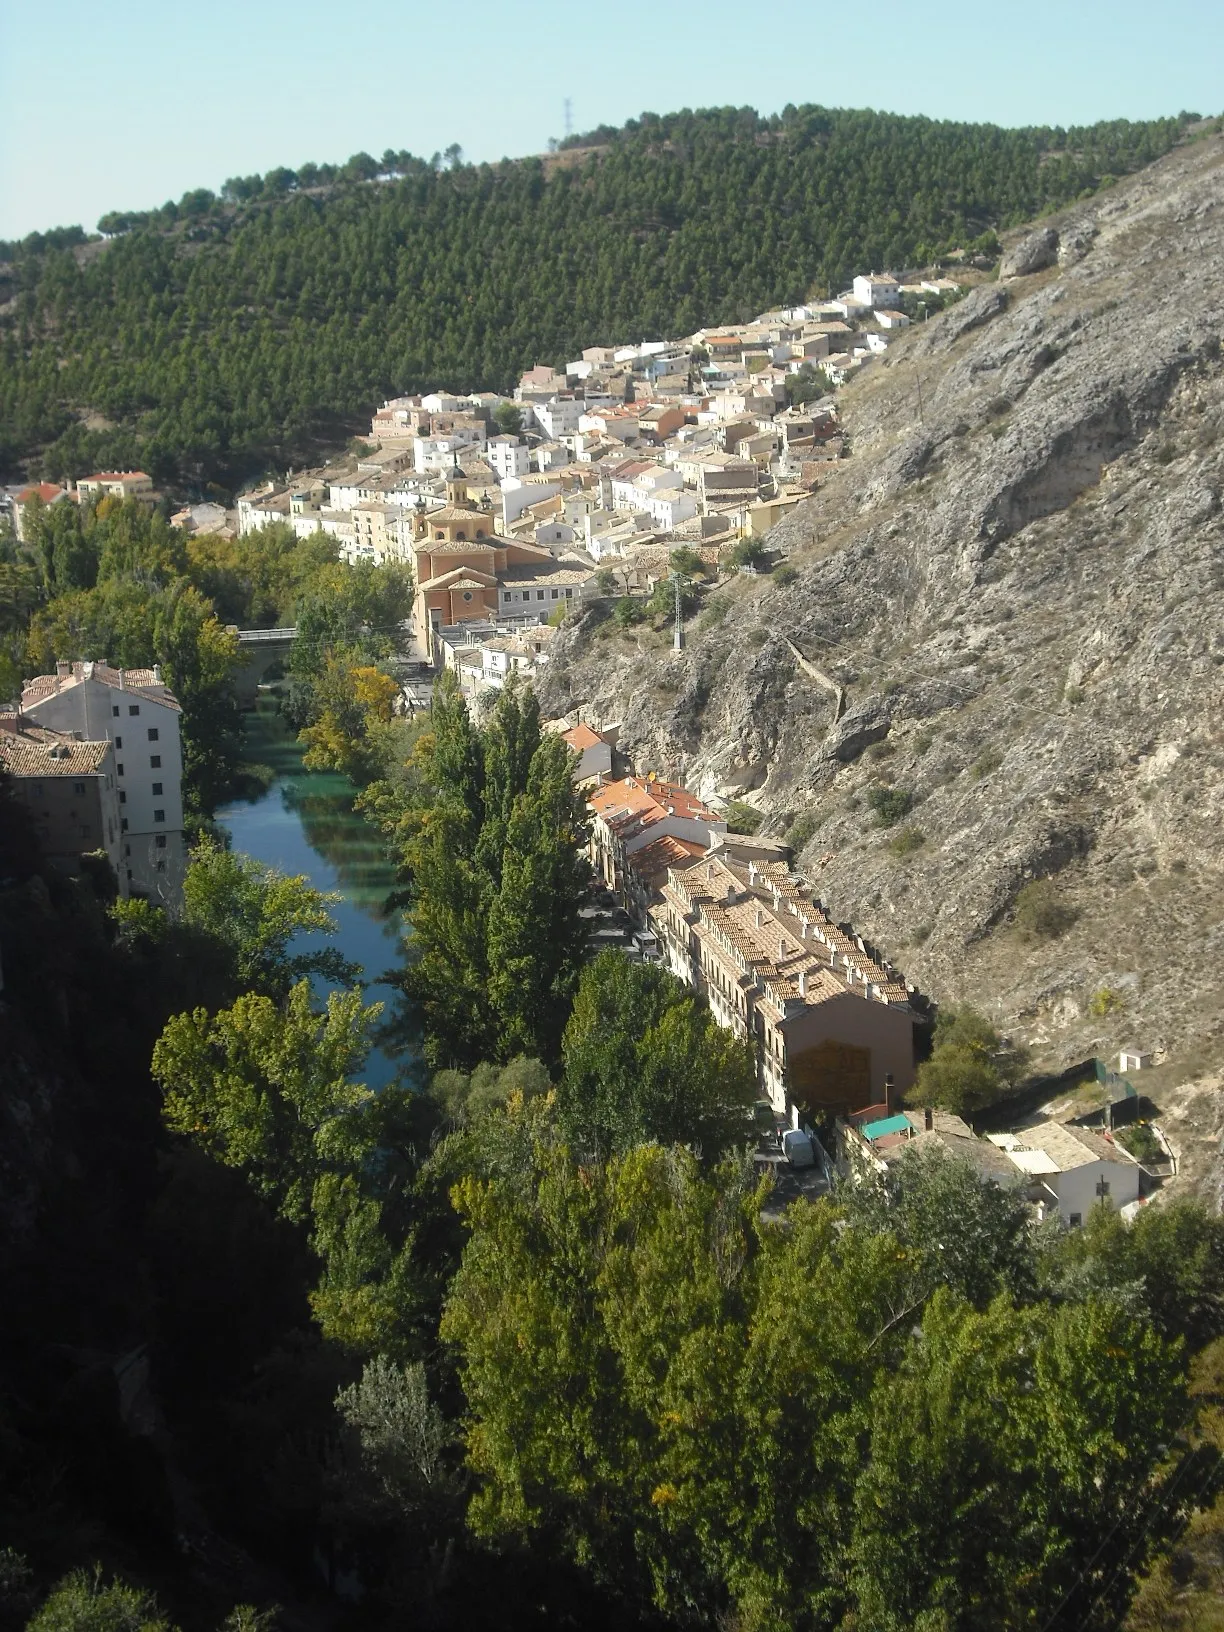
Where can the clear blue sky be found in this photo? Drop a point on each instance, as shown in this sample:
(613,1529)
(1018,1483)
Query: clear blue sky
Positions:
(121,104)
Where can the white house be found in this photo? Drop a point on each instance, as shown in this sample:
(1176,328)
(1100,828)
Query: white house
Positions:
(558,416)
(136,712)
(877,289)
(508,456)
(669,509)
(1073,1168)
(519,493)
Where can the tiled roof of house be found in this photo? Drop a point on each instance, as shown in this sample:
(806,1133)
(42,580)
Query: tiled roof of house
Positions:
(27,749)
(48,492)
(656,857)
(581,737)
(1067,1147)
(143,680)
(767,920)
(635,802)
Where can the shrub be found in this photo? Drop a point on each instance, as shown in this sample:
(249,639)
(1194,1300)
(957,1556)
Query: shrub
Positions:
(907,841)
(743,818)
(985,763)
(882,750)
(889,804)
(923,741)
(749,552)
(784,575)
(801,830)
(628,612)
(1104,1001)
(1142,1143)
(1073,695)
(758,636)
(1041,912)
(922,934)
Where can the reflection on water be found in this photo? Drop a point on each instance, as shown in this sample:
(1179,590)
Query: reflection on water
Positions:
(305,823)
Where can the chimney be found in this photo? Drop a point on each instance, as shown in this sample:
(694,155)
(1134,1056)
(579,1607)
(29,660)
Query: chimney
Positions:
(759,918)
(803,984)
(752,878)
(157,672)
(62,668)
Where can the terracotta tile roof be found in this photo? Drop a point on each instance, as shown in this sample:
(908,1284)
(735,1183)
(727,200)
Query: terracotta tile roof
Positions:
(767,922)
(581,737)
(637,802)
(32,750)
(117,476)
(50,685)
(46,491)
(660,854)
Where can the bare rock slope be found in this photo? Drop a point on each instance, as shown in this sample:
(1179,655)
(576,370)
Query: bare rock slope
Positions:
(1018,578)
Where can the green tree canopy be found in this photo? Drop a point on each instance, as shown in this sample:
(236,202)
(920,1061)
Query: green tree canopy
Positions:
(645,1060)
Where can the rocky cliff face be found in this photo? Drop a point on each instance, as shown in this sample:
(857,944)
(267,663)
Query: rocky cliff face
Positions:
(1018,578)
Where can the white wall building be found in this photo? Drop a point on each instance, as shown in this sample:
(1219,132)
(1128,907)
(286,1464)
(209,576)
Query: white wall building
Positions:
(871,289)
(1075,1168)
(136,712)
(559,416)
(508,457)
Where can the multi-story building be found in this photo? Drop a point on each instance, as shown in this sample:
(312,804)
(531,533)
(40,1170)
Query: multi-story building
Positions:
(117,484)
(69,788)
(630,818)
(508,456)
(139,715)
(831,1023)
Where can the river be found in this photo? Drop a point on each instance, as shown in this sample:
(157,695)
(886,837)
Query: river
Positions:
(305,823)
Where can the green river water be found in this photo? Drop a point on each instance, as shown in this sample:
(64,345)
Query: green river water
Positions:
(305,823)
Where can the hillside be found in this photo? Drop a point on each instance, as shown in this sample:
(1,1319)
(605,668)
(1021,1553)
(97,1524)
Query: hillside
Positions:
(219,336)
(1018,577)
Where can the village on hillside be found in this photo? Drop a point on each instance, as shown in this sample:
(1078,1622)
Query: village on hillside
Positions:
(584,481)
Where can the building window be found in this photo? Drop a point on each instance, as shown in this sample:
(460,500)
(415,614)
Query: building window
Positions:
(152,733)
(123,828)
(114,708)
(78,788)
(155,762)
(119,769)
(159,815)
(157,787)
(539,594)
(127,849)
(160,841)
(161,866)
(133,708)
(123,798)
(1075,1220)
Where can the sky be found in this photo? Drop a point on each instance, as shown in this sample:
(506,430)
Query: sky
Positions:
(124,104)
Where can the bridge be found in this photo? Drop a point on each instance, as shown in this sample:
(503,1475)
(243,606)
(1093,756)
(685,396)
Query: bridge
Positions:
(261,648)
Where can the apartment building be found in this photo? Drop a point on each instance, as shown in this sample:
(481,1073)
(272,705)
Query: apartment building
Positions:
(136,712)
(831,1023)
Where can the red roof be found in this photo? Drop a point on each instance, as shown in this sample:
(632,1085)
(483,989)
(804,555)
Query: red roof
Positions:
(636,802)
(46,491)
(118,476)
(580,737)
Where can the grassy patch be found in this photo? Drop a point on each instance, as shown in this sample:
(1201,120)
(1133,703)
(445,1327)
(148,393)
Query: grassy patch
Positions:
(1042,912)
(906,841)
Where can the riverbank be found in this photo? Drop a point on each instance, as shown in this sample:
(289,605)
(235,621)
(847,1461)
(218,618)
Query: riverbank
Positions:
(304,822)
